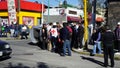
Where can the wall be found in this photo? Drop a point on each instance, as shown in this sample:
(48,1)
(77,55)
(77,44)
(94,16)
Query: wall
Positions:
(24,14)
(113,14)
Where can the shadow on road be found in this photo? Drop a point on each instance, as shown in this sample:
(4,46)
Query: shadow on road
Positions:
(37,44)
(93,60)
(42,65)
(21,65)
(5,58)
(30,43)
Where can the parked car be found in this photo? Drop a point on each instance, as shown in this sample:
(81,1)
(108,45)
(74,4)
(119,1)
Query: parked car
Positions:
(5,49)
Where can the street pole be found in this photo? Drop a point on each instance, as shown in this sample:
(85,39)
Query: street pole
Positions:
(18,12)
(106,12)
(65,6)
(94,13)
(85,25)
(42,21)
(48,11)
(18,5)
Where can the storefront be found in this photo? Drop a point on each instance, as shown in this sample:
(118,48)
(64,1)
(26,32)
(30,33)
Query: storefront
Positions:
(69,15)
(28,13)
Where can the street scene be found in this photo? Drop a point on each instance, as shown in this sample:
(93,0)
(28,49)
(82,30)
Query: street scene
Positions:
(59,34)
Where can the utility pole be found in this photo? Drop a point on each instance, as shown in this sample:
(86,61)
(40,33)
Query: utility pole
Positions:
(106,12)
(94,13)
(42,21)
(65,6)
(18,11)
(18,5)
(48,10)
(85,25)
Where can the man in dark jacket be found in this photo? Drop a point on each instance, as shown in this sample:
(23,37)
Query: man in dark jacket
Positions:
(80,35)
(44,37)
(117,36)
(65,38)
(108,42)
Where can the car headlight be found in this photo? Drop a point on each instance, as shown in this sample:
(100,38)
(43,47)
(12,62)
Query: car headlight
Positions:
(1,53)
(7,46)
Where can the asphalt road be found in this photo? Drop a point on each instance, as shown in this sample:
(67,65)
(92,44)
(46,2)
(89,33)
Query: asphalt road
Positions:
(26,55)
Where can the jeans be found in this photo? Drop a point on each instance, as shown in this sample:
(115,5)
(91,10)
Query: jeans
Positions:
(53,42)
(118,42)
(12,32)
(97,45)
(66,46)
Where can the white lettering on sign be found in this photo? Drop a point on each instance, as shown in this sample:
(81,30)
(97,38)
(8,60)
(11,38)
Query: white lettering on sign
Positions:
(11,11)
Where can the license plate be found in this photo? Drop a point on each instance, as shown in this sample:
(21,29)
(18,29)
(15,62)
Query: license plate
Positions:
(1,53)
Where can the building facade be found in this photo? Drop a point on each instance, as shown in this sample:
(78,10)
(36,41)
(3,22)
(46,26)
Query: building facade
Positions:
(68,14)
(28,13)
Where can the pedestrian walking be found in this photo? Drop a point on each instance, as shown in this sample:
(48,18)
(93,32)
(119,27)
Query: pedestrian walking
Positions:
(97,41)
(108,42)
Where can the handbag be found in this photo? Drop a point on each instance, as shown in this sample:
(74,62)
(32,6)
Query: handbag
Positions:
(91,42)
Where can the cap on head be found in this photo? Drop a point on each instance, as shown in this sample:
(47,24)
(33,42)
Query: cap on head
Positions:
(54,23)
(118,23)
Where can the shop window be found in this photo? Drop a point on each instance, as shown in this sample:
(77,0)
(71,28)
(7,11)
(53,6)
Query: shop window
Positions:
(39,21)
(72,12)
(28,20)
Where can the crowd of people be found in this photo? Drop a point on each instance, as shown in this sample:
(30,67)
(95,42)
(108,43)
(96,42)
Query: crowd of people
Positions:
(61,38)
(14,30)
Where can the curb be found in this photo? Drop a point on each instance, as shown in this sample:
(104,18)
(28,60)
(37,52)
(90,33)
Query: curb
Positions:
(116,57)
(9,38)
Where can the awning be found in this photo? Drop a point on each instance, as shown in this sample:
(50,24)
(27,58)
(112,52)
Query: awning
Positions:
(75,19)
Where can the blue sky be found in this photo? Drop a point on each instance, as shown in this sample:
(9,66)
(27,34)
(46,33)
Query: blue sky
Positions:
(56,2)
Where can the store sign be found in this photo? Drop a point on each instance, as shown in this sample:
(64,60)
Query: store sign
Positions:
(11,11)
(62,11)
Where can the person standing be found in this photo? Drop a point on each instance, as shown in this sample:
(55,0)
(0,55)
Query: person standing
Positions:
(117,35)
(97,42)
(17,30)
(108,42)
(49,45)
(12,29)
(65,38)
(80,35)
(74,36)
(53,37)
(24,31)
(44,37)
